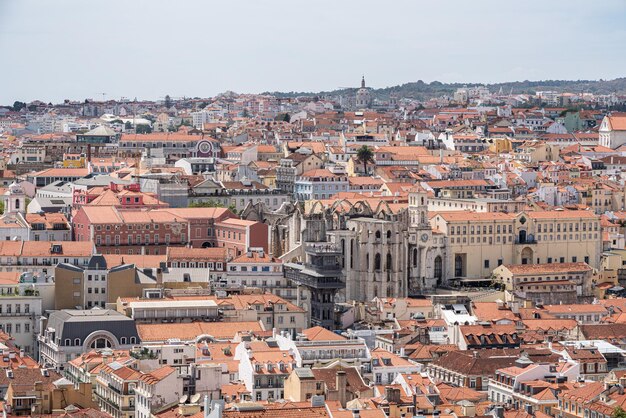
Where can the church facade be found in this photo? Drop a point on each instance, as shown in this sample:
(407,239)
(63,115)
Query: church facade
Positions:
(385,249)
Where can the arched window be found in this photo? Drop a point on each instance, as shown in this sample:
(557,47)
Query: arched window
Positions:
(343,252)
(377,262)
(458,266)
(377,234)
(133,340)
(388,262)
(389,234)
(414,257)
(352,253)
(101,342)
(123,340)
(77,341)
(68,342)
(438,268)
(367,262)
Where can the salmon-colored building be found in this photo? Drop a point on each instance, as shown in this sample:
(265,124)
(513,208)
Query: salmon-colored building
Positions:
(151,231)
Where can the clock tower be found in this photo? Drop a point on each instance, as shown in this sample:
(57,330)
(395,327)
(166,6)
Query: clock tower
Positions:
(418,208)
(426,248)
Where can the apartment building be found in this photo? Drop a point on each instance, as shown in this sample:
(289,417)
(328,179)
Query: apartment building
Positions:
(157,390)
(33,391)
(256,268)
(20,310)
(98,283)
(115,389)
(547,283)
(40,257)
(516,385)
(384,367)
(319,184)
(263,368)
(318,345)
(196,265)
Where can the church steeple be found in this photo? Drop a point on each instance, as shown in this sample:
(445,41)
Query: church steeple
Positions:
(363,82)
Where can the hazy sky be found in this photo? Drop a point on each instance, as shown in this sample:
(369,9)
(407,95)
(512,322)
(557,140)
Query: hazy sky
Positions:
(52,50)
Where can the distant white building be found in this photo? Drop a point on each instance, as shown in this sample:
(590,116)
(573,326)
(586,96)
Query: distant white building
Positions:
(613,130)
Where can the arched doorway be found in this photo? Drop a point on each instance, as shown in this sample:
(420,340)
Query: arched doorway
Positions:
(527,255)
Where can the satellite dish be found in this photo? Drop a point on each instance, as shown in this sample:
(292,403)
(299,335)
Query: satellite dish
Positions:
(183,399)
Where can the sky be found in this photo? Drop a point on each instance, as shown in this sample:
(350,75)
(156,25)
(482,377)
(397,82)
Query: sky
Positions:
(77,49)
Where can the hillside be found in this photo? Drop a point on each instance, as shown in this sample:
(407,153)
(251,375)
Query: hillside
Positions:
(422,91)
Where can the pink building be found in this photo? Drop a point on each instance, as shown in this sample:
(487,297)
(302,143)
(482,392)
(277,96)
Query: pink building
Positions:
(151,231)
(237,235)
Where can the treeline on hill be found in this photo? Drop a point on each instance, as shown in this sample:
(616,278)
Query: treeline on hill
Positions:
(420,90)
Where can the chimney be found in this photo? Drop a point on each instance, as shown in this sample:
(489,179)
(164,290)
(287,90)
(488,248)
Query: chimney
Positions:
(340,382)
(356,413)
(498,412)
(392,394)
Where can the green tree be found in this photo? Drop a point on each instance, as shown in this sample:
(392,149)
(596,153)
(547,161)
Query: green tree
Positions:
(1,206)
(365,156)
(618,413)
(128,125)
(207,204)
(17,106)
(213,204)
(143,129)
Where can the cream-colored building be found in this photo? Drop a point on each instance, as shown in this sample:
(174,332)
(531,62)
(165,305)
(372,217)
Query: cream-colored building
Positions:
(479,242)
(613,130)
(547,283)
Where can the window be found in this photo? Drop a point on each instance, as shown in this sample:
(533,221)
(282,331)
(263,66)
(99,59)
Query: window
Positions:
(486,264)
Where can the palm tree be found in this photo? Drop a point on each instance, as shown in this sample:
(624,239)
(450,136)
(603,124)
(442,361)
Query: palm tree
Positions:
(365,155)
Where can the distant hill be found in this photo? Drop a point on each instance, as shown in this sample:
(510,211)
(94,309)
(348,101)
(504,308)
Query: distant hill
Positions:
(422,91)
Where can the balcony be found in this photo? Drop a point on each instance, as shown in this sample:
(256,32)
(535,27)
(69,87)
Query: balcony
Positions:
(322,248)
(300,276)
(528,240)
